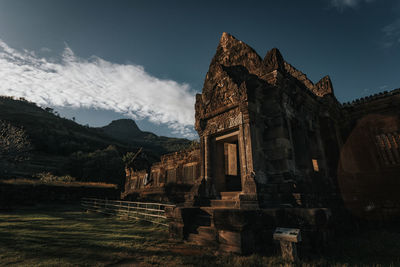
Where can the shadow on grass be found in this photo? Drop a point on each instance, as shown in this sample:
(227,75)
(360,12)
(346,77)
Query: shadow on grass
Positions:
(73,235)
(66,235)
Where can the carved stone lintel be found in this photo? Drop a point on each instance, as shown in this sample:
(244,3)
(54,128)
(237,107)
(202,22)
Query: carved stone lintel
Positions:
(222,122)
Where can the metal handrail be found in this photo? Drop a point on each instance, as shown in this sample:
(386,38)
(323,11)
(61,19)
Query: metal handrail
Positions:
(123,201)
(125,208)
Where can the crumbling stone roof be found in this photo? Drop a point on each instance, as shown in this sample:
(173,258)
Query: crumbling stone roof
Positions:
(299,75)
(367,99)
(232,53)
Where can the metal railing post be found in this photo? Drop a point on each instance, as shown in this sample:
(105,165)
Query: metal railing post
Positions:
(152,212)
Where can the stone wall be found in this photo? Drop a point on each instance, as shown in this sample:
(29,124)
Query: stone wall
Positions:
(249,231)
(369,164)
(292,151)
(167,180)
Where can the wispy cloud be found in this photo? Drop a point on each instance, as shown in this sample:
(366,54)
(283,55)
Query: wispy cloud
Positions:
(391,34)
(343,4)
(96,83)
(45,49)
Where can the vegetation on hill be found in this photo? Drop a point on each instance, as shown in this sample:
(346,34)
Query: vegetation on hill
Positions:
(48,132)
(14,144)
(52,180)
(104,165)
(126,131)
(63,147)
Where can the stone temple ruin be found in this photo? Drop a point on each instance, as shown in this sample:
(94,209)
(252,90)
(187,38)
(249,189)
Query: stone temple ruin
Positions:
(276,150)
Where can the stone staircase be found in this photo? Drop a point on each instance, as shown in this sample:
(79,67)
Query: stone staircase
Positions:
(205,236)
(228,200)
(204,233)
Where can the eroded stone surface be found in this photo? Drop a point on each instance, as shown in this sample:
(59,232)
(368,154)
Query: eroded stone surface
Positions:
(289,138)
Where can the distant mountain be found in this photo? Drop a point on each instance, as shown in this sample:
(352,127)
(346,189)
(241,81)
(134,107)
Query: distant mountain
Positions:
(57,141)
(127,131)
(123,129)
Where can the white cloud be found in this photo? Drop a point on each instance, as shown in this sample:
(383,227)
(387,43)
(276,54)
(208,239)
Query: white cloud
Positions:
(342,4)
(96,83)
(391,34)
(45,49)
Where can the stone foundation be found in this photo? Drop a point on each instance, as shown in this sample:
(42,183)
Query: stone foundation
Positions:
(248,231)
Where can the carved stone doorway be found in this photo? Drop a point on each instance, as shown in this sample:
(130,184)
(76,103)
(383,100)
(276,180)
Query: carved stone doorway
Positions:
(226,163)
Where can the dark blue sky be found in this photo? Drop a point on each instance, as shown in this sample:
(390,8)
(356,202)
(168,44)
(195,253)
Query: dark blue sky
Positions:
(356,42)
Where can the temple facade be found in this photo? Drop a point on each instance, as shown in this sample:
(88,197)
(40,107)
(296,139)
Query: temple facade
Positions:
(271,139)
(266,131)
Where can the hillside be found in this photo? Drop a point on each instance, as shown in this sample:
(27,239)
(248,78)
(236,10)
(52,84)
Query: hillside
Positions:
(64,147)
(127,131)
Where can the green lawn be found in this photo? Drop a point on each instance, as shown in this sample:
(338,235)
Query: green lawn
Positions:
(67,236)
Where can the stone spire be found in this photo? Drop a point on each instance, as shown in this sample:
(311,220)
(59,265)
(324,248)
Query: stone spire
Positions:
(274,61)
(233,52)
(233,64)
(323,87)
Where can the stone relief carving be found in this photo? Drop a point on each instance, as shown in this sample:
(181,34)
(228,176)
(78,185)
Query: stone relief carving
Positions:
(227,120)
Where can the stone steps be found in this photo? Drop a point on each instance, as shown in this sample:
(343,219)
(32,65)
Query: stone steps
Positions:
(230,195)
(219,203)
(206,236)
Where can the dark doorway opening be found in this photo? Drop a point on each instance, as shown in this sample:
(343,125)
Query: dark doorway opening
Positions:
(226,163)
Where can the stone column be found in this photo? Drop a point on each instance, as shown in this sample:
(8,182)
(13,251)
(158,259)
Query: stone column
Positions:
(248,196)
(248,183)
(207,158)
(210,190)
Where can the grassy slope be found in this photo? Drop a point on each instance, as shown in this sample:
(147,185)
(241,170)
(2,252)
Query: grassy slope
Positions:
(126,130)
(56,135)
(66,236)
(55,138)
(47,129)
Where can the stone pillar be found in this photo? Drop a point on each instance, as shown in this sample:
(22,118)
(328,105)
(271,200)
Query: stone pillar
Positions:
(242,155)
(248,149)
(207,159)
(248,175)
(210,190)
(202,158)
(248,197)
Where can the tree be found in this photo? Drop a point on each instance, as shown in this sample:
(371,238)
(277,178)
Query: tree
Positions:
(137,161)
(50,110)
(104,165)
(14,143)
(130,157)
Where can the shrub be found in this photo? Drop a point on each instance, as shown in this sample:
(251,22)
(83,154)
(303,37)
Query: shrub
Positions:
(48,177)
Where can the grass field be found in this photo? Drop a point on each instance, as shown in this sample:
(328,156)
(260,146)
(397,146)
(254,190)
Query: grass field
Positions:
(24,181)
(67,236)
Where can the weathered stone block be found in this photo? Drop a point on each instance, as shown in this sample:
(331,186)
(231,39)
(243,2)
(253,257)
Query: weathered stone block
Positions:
(176,230)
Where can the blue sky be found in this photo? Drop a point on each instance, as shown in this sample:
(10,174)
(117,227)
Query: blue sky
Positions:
(103,60)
